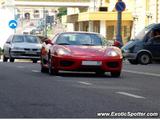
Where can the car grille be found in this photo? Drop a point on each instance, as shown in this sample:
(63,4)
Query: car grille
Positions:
(28,49)
(66,63)
(112,64)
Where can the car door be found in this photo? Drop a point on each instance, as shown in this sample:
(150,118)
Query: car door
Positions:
(156,47)
(7,46)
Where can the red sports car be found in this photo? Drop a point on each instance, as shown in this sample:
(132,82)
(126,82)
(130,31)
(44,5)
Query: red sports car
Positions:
(80,51)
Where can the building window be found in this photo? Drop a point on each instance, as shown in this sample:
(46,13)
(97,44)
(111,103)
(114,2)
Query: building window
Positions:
(36,14)
(96,26)
(110,32)
(125,31)
(27,16)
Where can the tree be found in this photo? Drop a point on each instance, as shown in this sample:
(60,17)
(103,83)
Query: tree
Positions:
(61,11)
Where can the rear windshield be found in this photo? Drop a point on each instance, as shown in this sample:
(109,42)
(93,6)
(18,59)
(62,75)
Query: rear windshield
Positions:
(27,39)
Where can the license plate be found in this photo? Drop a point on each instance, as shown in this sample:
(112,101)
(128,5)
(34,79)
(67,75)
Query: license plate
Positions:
(94,63)
(30,52)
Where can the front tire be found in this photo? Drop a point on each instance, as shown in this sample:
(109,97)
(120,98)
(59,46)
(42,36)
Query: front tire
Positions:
(34,61)
(43,69)
(51,70)
(5,59)
(115,74)
(144,58)
(11,59)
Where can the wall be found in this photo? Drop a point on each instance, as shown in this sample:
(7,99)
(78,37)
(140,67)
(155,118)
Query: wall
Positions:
(5,31)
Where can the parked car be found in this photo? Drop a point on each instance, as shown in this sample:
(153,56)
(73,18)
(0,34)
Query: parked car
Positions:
(145,47)
(22,47)
(80,51)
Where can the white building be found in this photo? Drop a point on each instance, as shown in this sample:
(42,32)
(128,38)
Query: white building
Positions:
(7,14)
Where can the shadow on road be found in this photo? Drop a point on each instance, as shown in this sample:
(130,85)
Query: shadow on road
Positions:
(85,75)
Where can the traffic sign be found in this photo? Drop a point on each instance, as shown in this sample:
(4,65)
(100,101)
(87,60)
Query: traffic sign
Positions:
(13,24)
(120,6)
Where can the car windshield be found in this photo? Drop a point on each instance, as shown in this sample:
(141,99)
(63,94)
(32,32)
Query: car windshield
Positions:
(31,39)
(81,39)
(28,39)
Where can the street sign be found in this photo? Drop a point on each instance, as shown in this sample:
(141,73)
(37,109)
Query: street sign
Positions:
(120,6)
(13,24)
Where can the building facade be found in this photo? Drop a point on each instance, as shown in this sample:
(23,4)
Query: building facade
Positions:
(100,17)
(83,15)
(137,15)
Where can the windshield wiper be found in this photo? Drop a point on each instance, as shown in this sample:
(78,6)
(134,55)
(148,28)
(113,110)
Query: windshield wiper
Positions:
(63,44)
(88,44)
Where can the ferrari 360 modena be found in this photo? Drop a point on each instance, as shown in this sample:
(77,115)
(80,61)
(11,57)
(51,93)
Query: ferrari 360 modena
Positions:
(80,51)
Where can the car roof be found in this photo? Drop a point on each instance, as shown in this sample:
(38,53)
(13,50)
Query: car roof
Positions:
(22,35)
(157,26)
(81,32)
(154,26)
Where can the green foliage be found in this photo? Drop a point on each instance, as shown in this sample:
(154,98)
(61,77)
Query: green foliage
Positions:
(0,51)
(62,11)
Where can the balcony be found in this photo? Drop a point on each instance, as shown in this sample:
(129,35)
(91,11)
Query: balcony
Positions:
(56,1)
(53,3)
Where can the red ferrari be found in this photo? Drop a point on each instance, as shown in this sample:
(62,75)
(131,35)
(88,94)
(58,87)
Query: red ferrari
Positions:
(80,51)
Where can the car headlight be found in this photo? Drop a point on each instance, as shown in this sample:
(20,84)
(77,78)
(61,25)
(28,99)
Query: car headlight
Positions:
(112,53)
(63,52)
(126,51)
(17,48)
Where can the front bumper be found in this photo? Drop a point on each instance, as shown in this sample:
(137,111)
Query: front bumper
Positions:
(129,55)
(75,64)
(25,54)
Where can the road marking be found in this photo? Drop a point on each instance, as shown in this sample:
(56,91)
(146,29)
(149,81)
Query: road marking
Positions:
(142,73)
(85,83)
(20,66)
(130,95)
(36,71)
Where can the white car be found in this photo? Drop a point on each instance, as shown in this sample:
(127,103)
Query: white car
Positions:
(22,47)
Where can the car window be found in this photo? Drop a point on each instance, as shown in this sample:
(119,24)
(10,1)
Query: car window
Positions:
(156,40)
(31,39)
(80,39)
(18,39)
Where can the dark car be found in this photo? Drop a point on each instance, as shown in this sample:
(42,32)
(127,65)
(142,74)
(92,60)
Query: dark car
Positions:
(145,47)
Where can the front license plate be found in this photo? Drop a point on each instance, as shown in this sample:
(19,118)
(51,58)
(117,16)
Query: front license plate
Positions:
(94,63)
(31,52)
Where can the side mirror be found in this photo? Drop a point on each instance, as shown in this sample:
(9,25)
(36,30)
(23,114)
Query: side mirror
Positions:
(48,41)
(117,44)
(8,42)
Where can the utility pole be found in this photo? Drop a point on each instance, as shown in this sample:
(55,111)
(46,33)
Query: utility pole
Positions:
(94,5)
(44,22)
(119,23)
(120,6)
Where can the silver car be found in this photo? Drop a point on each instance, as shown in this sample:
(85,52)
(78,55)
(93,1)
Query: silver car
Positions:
(22,47)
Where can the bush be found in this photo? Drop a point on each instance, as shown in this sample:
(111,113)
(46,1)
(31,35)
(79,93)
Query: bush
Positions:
(0,52)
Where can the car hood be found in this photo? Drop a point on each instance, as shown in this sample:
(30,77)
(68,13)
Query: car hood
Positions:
(27,45)
(87,50)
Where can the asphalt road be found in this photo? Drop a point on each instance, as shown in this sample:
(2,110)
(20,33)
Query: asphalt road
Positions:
(25,92)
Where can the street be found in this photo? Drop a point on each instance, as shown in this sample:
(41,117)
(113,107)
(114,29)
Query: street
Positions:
(25,92)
